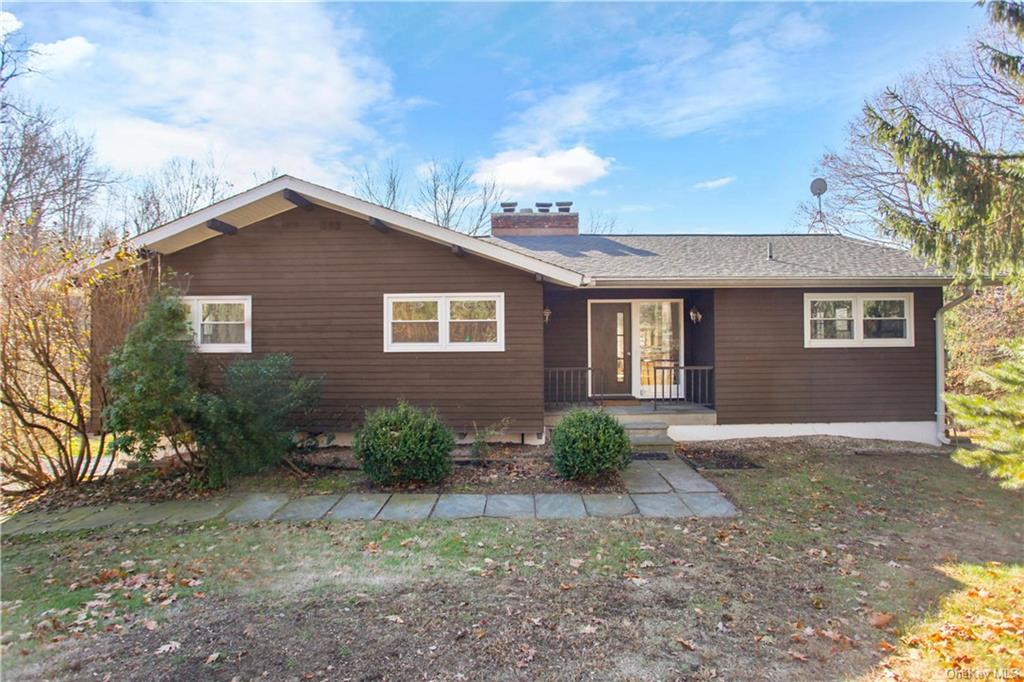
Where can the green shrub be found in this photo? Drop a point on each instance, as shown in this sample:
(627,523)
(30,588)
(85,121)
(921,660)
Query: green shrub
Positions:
(244,427)
(404,443)
(217,432)
(152,394)
(589,443)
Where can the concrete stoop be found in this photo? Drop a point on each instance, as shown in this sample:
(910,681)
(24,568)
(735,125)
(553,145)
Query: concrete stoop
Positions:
(649,436)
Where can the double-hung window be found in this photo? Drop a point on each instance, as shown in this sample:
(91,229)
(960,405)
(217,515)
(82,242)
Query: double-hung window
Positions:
(850,320)
(220,324)
(444,322)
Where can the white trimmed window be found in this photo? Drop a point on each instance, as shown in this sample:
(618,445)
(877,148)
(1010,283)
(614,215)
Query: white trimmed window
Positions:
(850,320)
(220,324)
(444,322)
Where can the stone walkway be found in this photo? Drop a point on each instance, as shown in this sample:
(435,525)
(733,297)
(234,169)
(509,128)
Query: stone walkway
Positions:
(657,489)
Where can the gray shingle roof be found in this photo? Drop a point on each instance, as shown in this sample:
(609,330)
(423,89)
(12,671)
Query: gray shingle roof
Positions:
(723,257)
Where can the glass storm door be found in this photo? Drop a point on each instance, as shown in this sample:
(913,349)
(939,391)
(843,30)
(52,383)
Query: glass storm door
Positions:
(659,335)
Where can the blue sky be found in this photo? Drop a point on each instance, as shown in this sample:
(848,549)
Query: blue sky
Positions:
(672,117)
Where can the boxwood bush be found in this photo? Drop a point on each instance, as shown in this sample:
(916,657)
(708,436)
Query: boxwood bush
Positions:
(589,443)
(404,443)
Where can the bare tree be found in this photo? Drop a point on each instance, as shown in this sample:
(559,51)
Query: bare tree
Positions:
(383,185)
(50,176)
(177,188)
(600,222)
(14,58)
(48,365)
(445,194)
(960,95)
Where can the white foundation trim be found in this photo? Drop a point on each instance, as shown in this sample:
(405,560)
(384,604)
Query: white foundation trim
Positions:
(918,432)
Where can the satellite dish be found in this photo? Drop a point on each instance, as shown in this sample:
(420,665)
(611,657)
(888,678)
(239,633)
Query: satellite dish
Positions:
(818,186)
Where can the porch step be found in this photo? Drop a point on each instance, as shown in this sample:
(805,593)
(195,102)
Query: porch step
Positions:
(648,428)
(660,443)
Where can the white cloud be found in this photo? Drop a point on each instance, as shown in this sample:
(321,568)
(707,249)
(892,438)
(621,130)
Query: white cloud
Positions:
(522,171)
(251,86)
(717,183)
(795,31)
(8,24)
(47,58)
(677,85)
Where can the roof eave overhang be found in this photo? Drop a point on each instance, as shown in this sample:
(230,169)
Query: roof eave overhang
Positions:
(267,198)
(765,282)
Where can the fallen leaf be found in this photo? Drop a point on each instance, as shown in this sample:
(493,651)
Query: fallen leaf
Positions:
(588,630)
(879,619)
(213,658)
(686,644)
(394,619)
(797,656)
(149,624)
(169,647)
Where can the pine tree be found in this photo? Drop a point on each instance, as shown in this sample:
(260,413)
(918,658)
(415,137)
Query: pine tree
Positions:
(977,230)
(997,423)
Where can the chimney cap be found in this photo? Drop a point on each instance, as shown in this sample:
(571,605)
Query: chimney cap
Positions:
(509,206)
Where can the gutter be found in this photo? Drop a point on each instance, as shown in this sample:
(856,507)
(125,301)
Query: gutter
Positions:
(940,365)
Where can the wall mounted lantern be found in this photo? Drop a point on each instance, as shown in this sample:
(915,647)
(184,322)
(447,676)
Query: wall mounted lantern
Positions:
(695,315)
(547,315)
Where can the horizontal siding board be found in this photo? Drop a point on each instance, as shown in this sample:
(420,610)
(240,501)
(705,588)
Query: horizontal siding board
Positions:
(317,294)
(763,373)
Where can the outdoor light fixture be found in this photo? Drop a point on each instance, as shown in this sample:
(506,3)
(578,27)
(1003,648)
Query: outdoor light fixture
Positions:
(547,315)
(695,315)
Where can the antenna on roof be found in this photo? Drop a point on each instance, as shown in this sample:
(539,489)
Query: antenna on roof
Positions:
(818,226)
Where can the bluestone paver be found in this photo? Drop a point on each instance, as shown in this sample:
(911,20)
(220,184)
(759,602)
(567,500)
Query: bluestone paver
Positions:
(459,506)
(661,505)
(55,521)
(20,522)
(560,506)
(147,516)
(683,478)
(708,504)
(358,506)
(408,507)
(609,504)
(308,508)
(509,506)
(641,477)
(114,515)
(194,511)
(257,507)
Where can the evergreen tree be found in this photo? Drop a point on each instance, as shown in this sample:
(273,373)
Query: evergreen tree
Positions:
(997,423)
(976,231)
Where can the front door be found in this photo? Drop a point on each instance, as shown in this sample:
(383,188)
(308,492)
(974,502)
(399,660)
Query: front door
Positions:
(610,348)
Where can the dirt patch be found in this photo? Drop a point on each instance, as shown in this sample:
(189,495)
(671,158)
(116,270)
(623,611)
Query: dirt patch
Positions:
(713,458)
(153,485)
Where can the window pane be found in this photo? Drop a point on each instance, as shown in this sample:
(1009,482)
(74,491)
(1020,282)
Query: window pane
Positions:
(884,309)
(474,310)
(831,329)
(885,329)
(832,309)
(223,333)
(414,310)
(414,332)
(223,312)
(473,332)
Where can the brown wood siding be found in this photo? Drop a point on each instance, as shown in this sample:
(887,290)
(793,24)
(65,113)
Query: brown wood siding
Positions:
(317,280)
(763,373)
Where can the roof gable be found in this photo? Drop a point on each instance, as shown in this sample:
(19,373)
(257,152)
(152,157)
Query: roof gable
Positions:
(274,197)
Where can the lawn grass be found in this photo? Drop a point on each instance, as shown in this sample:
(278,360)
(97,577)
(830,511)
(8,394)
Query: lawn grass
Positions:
(840,566)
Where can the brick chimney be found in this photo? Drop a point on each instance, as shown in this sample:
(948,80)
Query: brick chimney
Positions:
(562,222)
